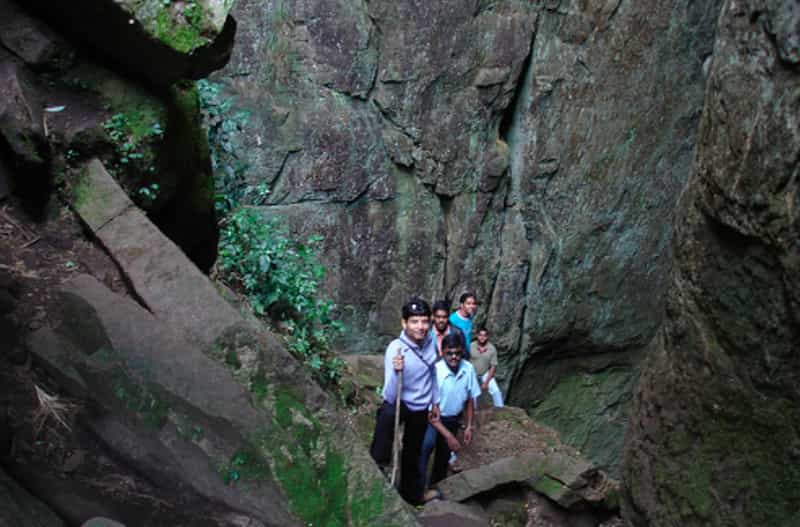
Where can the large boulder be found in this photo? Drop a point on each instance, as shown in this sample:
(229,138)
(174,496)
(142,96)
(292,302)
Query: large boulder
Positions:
(273,423)
(163,41)
(21,112)
(715,431)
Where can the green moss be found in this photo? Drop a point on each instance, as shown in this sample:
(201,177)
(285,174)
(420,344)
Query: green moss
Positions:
(232,359)
(80,190)
(367,505)
(183,37)
(588,409)
(147,405)
(312,473)
(246,465)
(548,486)
(741,458)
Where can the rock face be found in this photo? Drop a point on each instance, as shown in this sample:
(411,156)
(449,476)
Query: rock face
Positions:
(714,436)
(195,396)
(533,152)
(19,509)
(58,107)
(172,40)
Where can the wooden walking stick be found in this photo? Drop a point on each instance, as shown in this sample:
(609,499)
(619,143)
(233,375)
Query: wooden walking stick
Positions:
(396,444)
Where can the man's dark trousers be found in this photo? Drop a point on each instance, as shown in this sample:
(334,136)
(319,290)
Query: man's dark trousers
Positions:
(442,454)
(381,449)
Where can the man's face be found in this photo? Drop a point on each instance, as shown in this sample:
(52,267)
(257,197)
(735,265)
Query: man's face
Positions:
(453,356)
(483,338)
(417,326)
(469,306)
(440,320)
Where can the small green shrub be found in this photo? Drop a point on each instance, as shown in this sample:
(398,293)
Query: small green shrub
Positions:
(132,134)
(225,126)
(281,278)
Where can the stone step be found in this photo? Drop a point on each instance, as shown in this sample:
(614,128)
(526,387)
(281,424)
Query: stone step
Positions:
(162,276)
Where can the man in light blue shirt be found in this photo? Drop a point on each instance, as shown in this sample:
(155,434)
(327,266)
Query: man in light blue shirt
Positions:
(458,387)
(413,353)
(462,317)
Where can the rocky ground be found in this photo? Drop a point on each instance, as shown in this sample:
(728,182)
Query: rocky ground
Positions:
(40,432)
(486,490)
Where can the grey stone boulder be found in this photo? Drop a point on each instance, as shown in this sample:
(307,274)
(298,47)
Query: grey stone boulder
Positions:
(18,508)
(567,480)
(161,404)
(163,41)
(27,37)
(160,273)
(439,513)
(21,109)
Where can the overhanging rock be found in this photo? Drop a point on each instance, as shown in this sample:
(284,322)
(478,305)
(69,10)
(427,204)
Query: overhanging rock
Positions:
(164,41)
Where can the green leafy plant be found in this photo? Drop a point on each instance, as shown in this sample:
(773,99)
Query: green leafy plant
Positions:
(281,278)
(225,125)
(147,195)
(128,132)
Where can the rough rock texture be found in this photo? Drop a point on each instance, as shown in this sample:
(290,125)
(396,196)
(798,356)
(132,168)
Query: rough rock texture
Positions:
(21,124)
(59,107)
(715,434)
(19,509)
(533,151)
(602,142)
(567,480)
(163,41)
(289,434)
(439,513)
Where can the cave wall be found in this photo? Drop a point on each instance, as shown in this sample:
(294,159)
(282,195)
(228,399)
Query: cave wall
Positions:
(715,430)
(532,151)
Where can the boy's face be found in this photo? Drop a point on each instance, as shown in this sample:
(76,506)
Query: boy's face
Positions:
(417,326)
(483,338)
(453,356)
(440,320)
(469,306)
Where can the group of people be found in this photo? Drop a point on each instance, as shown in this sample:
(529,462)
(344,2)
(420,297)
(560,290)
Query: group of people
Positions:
(444,373)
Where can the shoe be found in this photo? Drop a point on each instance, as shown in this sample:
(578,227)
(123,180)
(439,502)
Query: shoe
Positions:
(456,467)
(432,494)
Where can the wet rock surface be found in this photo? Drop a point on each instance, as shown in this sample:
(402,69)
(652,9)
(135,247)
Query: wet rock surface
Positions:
(714,434)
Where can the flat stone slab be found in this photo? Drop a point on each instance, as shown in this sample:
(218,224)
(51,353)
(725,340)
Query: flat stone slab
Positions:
(441,513)
(164,278)
(367,369)
(565,479)
(97,198)
(167,409)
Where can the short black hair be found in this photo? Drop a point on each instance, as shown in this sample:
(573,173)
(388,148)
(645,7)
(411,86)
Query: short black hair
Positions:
(416,307)
(466,296)
(453,340)
(441,305)
(483,328)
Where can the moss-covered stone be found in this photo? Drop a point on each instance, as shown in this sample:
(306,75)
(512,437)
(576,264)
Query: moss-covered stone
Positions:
(586,399)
